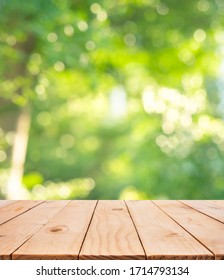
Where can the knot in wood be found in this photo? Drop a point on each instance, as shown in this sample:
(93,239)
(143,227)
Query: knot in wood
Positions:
(57,229)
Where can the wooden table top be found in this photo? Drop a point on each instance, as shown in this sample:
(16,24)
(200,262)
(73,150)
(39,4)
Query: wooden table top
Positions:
(112,229)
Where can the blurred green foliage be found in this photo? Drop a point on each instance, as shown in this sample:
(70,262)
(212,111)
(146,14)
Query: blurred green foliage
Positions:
(125,97)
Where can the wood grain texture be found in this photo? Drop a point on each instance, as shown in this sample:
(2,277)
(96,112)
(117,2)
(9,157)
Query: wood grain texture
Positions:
(207,207)
(161,237)
(208,231)
(4,203)
(18,230)
(219,203)
(112,230)
(15,209)
(62,237)
(111,234)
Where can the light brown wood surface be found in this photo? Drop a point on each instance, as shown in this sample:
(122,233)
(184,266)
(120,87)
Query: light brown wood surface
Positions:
(220,203)
(111,234)
(62,237)
(4,203)
(112,229)
(207,207)
(15,209)
(205,229)
(163,238)
(18,230)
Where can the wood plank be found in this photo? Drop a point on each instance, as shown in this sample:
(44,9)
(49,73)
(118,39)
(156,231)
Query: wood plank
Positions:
(208,231)
(161,237)
(62,237)
(4,203)
(219,203)
(18,230)
(207,207)
(111,234)
(15,209)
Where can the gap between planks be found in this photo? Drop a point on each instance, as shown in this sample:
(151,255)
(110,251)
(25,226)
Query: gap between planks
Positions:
(87,229)
(161,237)
(206,207)
(13,210)
(17,231)
(62,237)
(31,229)
(111,234)
(208,231)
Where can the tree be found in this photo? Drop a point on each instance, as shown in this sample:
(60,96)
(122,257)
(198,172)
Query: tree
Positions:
(67,60)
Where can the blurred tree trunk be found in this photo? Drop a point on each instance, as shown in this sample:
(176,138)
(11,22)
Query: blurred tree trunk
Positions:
(14,186)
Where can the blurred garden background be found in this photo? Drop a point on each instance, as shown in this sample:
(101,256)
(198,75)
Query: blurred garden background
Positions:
(110,99)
